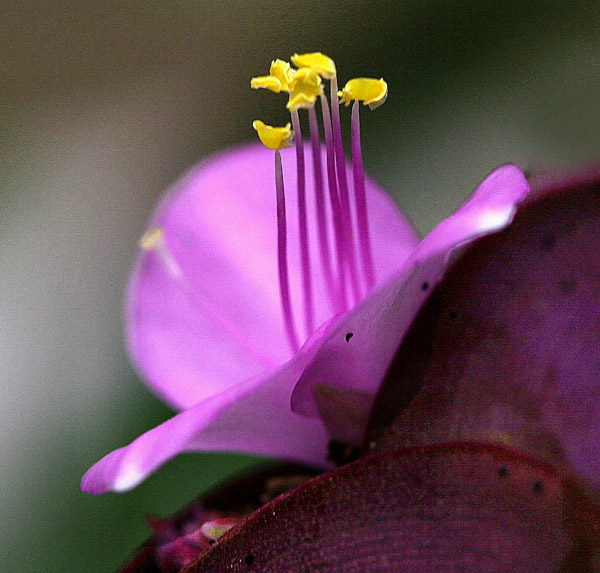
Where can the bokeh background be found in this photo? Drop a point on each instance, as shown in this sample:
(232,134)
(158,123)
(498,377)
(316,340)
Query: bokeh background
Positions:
(104,104)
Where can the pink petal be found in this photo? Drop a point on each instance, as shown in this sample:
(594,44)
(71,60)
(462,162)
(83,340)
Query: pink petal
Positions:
(359,349)
(252,416)
(209,317)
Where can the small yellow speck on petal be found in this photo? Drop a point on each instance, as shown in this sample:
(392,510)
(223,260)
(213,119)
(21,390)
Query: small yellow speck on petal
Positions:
(216,528)
(274,137)
(319,62)
(152,239)
(368,90)
(306,88)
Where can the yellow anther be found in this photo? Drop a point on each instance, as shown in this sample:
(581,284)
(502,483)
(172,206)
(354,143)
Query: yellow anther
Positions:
(368,90)
(282,70)
(152,239)
(306,88)
(266,82)
(278,80)
(319,62)
(274,137)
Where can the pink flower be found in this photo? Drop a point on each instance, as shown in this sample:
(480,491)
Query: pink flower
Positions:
(273,334)
(208,338)
(204,323)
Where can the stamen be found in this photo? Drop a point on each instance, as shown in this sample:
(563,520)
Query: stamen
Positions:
(266,82)
(284,286)
(340,163)
(361,199)
(373,93)
(306,88)
(282,70)
(321,211)
(302,224)
(368,90)
(278,80)
(335,203)
(276,138)
(320,63)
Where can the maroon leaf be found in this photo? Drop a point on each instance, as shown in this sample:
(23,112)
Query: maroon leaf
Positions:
(507,348)
(459,507)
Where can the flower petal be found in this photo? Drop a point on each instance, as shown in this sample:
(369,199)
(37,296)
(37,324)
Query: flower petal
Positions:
(204,313)
(252,416)
(359,349)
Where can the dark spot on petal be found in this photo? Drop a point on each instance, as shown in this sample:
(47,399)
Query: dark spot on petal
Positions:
(212,541)
(502,471)
(341,453)
(567,285)
(425,286)
(548,243)
(349,335)
(249,559)
(538,487)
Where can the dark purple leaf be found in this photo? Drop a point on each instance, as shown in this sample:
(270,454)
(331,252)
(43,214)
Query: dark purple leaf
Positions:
(460,507)
(507,348)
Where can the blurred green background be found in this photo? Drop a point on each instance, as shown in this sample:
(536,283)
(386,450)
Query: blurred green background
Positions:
(104,104)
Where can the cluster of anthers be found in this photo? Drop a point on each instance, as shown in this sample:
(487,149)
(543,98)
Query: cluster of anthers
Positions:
(353,275)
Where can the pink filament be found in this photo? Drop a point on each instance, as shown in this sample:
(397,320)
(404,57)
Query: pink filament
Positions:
(335,204)
(340,163)
(321,211)
(303,227)
(284,286)
(361,199)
